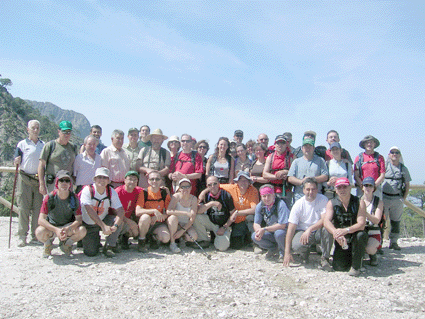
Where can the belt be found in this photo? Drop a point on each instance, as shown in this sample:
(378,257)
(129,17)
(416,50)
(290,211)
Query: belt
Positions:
(32,176)
(391,195)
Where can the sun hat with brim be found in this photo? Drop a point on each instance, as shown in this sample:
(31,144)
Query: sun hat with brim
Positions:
(243,174)
(335,144)
(185,180)
(132,173)
(395,148)
(308,141)
(63,173)
(174,138)
(101,171)
(157,131)
(342,181)
(65,126)
(368,181)
(369,138)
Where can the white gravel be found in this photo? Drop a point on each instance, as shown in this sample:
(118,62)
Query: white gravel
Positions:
(233,284)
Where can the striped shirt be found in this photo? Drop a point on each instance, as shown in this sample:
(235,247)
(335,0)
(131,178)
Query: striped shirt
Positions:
(85,168)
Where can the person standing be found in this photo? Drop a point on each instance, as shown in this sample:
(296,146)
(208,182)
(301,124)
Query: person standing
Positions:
(132,148)
(144,133)
(395,190)
(56,155)
(96,131)
(86,163)
(28,197)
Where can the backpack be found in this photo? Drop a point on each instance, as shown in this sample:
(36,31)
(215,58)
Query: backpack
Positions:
(192,158)
(214,159)
(361,162)
(218,217)
(52,149)
(272,212)
(73,200)
(92,192)
(320,151)
(402,179)
(163,196)
(162,154)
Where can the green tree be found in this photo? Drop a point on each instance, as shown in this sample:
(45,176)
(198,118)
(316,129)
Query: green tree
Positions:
(5,82)
(413,225)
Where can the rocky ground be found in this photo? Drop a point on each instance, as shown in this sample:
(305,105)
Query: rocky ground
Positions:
(233,284)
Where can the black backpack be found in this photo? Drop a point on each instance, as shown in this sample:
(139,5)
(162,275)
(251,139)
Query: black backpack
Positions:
(361,162)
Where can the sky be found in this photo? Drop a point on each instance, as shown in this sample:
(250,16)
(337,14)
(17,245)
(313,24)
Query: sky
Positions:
(208,68)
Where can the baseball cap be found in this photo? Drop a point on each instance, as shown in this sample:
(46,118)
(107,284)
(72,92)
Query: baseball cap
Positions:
(65,125)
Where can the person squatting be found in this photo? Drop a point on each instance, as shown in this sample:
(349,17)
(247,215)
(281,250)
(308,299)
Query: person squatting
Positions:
(283,201)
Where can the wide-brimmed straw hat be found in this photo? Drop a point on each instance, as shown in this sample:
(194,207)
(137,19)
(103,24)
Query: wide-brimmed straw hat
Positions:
(369,138)
(157,131)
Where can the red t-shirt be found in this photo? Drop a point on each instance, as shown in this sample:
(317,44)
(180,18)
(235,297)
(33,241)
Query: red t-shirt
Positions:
(370,167)
(278,163)
(184,165)
(128,200)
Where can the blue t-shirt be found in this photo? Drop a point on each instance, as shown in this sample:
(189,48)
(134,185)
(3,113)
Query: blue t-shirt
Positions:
(278,214)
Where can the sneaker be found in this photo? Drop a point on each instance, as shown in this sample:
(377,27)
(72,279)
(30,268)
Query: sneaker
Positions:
(67,250)
(394,246)
(174,249)
(141,246)
(373,260)
(271,254)
(22,242)
(153,243)
(108,251)
(47,252)
(258,250)
(124,243)
(354,272)
(325,264)
(182,244)
(34,241)
(380,251)
(202,243)
(280,259)
(305,257)
(80,244)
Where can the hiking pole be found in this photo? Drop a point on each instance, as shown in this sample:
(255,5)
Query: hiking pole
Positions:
(11,206)
(200,247)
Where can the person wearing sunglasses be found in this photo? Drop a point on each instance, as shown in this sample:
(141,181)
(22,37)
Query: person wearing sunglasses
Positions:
(60,216)
(238,136)
(56,155)
(395,190)
(345,219)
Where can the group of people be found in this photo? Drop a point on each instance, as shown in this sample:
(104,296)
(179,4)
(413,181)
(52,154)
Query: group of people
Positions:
(284,200)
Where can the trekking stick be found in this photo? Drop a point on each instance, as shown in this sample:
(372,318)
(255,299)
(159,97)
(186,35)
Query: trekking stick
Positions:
(11,207)
(203,250)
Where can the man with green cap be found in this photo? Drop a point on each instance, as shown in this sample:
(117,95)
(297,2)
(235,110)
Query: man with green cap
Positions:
(309,165)
(56,155)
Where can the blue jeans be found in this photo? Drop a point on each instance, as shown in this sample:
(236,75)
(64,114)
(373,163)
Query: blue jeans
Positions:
(272,241)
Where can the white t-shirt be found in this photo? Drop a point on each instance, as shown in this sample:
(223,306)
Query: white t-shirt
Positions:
(305,213)
(102,207)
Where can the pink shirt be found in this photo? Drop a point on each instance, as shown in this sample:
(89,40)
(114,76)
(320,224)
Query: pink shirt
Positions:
(117,162)
(369,167)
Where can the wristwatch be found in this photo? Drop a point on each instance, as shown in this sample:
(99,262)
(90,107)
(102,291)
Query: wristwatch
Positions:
(116,225)
(348,229)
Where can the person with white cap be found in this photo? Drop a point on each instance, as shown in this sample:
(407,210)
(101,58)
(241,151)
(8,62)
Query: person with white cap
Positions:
(369,163)
(395,190)
(153,158)
(60,216)
(132,148)
(345,219)
(96,201)
(173,145)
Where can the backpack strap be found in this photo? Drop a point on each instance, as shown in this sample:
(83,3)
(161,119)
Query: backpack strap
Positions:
(52,146)
(361,162)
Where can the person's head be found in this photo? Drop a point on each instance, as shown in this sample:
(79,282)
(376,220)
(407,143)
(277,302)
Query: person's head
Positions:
(131,179)
(186,143)
(202,147)
(154,179)
(288,137)
(368,185)
(310,189)
(63,180)
(238,136)
(336,150)
(101,177)
(264,139)
(332,137)
(343,187)
(185,186)
(243,180)
(90,144)
(250,146)
(369,143)
(213,184)
(310,135)
(117,139)
(267,194)
(144,131)
(133,135)
(194,144)
(280,144)
(65,131)
(223,146)
(395,155)
(156,138)
(33,129)
(173,143)
(241,151)
(96,131)
(259,150)
(308,147)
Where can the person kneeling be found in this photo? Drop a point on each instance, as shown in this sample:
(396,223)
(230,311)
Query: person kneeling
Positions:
(60,216)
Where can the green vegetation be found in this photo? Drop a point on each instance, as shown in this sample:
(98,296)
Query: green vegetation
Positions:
(413,225)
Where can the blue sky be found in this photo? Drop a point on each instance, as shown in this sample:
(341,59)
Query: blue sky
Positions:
(208,68)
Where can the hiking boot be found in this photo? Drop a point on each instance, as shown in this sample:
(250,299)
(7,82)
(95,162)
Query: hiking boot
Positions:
(373,260)
(354,272)
(108,251)
(182,244)
(124,242)
(47,251)
(394,246)
(80,244)
(305,257)
(380,251)
(154,243)
(174,249)
(280,259)
(258,250)
(34,241)
(141,246)
(22,242)
(325,264)
(67,250)
(271,254)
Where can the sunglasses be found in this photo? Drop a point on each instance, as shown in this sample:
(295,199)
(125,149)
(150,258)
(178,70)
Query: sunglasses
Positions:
(185,187)
(395,152)
(186,141)
(64,180)
(202,146)
(342,186)
(67,132)
(212,184)
(264,139)
(154,179)
(239,135)
(102,177)
(368,185)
